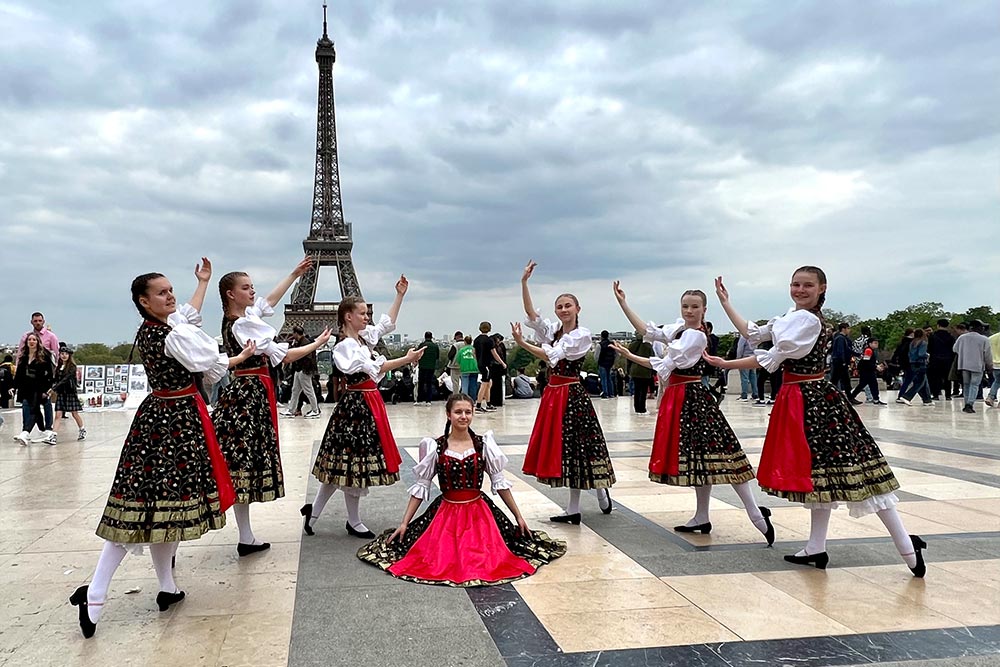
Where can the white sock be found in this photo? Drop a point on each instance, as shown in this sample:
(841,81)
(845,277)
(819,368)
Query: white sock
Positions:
(750,505)
(161,555)
(819,525)
(353,503)
(242,512)
(603,497)
(904,545)
(574,502)
(703,494)
(111,557)
(323,496)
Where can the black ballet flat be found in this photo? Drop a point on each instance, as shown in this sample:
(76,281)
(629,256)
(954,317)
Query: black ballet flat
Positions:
(820,560)
(173,562)
(611,505)
(247,549)
(769,533)
(703,528)
(79,599)
(920,569)
(351,530)
(567,518)
(165,599)
(306,511)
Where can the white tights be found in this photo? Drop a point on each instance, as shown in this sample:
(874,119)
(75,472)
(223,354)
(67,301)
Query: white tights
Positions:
(890,518)
(242,513)
(107,564)
(703,495)
(352,500)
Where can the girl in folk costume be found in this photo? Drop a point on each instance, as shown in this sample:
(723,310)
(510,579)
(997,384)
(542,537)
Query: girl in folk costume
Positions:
(693,444)
(67,401)
(567,446)
(463,539)
(171,483)
(817,451)
(246,417)
(358,450)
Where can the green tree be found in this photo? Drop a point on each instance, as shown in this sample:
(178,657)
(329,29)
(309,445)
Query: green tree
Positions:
(94,353)
(835,317)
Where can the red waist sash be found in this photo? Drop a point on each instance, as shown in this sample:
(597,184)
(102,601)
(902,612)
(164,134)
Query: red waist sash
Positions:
(786,458)
(674,379)
(264,375)
(461,495)
(220,469)
(369,391)
(544,455)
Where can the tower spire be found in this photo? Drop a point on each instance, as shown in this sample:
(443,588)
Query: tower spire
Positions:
(324,21)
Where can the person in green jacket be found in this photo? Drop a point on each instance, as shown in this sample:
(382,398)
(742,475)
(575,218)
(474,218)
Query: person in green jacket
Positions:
(469,367)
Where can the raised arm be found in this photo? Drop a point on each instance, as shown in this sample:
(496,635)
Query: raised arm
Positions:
(738,320)
(296,353)
(529,307)
(274,298)
(401,286)
(634,358)
(534,350)
(410,357)
(203,272)
(637,322)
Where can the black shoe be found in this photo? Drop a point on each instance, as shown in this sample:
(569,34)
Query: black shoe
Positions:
(918,545)
(566,518)
(820,560)
(247,549)
(607,495)
(165,599)
(969,409)
(173,562)
(855,401)
(357,533)
(306,511)
(79,599)
(703,528)
(769,533)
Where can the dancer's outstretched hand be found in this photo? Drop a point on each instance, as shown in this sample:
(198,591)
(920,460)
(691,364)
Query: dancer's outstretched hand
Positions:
(718,362)
(619,348)
(304,265)
(528,270)
(619,292)
(414,354)
(323,337)
(203,271)
(515,331)
(721,291)
(402,285)
(249,350)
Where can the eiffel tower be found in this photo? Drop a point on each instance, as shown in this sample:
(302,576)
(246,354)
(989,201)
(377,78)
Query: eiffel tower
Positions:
(329,242)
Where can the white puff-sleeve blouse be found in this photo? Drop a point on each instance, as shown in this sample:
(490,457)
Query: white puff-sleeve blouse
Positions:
(351,356)
(252,327)
(573,345)
(193,348)
(493,456)
(794,335)
(679,352)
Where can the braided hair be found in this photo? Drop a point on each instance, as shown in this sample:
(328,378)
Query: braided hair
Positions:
(226,283)
(449,404)
(576,320)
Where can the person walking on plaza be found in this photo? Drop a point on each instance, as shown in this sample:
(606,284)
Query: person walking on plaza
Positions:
(940,348)
(453,366)
(498,371)
(246,417)
(817,451)
(640,375)
(358,450)
(427,369)
(304,371)
(868,370)
(483,344)
(468,367)
(567,446)
(49,340)
(33,380)
(605,356)
(918,359)
(841,353)
(180,488)
(693,444)
(974,356)
(6,381)
(66,387)
(995,352)
(463,539)
(748,376)
(901,360)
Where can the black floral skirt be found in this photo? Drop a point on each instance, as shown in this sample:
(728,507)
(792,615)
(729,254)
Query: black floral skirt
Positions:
(249,440)
(164,489)
(350,454)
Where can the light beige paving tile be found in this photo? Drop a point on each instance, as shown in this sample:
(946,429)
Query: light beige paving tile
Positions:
(191,640)
(860,605)
(954,490)
(986,572)
(984,505)
(637,628)
(649,503)
(752,608)
(958,519)
(256,640)
(247,593)
(608,595)
(588,567)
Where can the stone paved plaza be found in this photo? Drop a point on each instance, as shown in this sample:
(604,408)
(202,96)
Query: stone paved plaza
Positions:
(629,592)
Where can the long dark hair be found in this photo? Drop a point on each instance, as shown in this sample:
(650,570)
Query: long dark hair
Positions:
(70,366)
(41,353)
(226,283)
(821,278)
(918,337)
(139,286)
(449,404)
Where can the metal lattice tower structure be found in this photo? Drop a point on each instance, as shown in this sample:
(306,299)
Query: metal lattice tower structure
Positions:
(329,242)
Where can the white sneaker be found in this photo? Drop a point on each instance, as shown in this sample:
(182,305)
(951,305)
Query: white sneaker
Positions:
(286,413)
(315,414)
(51,438)
(42,437)
(82,435)
(904,401)
(22,438)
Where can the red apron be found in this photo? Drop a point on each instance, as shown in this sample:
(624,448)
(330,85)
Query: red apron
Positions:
(369,391)
(544,456)
(664,457)
(786,459)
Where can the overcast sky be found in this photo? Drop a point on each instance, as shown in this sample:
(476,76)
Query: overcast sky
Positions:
(661,143)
